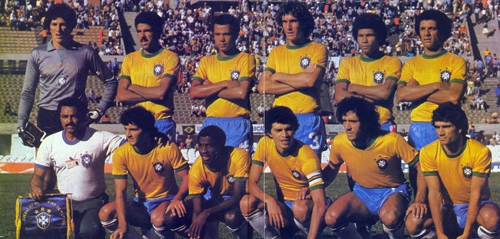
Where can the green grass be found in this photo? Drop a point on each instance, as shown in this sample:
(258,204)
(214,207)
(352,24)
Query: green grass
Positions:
(13,185)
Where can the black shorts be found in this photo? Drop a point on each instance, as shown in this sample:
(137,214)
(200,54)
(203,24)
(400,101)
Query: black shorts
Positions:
(48,121)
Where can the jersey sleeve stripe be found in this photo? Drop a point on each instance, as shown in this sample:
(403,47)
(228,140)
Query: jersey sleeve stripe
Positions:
(392,78)
(41,166)
(432,173)
(120,176)
(240,179)
(415,160)
(257,162)
(124,77)
(481,175)
(246,78)
(197,79)
(185,166)
(168,75)
(270,69)
(316,187)
(457,81)
(342,80)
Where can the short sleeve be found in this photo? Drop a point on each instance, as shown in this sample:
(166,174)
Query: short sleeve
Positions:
(120,169)
(428,163)
(393,69)
(171,65)
(319,57)
(482,166)
(458,71)
(176,159)
(343,75)
(247,70)
(271,61)
(312,169)
(125,71)
(406,73)
(43,155)
(195,184)
(242,166)
(335,158)
(259,156)
(201,73)
(404,151)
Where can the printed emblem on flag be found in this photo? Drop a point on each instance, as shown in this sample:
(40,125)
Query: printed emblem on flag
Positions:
(43,219)
(304,62)
(158,70)
(378,77)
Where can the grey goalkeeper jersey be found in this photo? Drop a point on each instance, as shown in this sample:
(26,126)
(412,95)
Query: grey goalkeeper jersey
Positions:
(62,73)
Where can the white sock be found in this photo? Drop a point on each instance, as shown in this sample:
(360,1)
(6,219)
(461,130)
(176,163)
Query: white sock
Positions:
(395,233)
(428,233)
(242,232)
(110,226)
(259,221)
(162,233)
(347,231)
(302,227)
(484,233)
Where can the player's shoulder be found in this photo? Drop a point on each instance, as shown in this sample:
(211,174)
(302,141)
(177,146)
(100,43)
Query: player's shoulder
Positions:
(391,59)
(475,145)
(433,146)
(340,139)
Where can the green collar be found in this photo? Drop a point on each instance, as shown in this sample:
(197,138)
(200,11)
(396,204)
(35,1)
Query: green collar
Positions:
(146,55)
(298,46)
(434,56)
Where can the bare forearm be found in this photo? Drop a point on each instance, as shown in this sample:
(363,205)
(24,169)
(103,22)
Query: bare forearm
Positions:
(275,88)
(128,96)
(297,81)
(203,91)
(436,205)
(233,93)
(120,207)
(376,93)
(150,93)
(256,191)
(415,92)
(317,217)
(444,96)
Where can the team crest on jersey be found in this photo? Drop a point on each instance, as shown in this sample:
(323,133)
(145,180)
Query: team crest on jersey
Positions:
(62,81)
(158,166)
(295,174)
(304,62)
(86,160)
(230,179)
(158,69)
(445,76)
(43,218)
(382,163)
(235,75)
(467,171)
(378,77)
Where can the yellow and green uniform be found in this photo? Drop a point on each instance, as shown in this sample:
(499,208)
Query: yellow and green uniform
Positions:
(152,173)
(202,177)
(444,67)
(456,171)
(293,60)
(239,67)
(379,164)
(301,168)
(372,72)
(147,70)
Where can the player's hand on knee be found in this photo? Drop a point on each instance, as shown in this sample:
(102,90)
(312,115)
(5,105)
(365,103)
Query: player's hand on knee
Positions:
(275,215)
(177,207)
(417,209)
(196,228)
(303,194)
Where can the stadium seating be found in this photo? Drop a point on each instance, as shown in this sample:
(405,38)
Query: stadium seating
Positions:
(17,42)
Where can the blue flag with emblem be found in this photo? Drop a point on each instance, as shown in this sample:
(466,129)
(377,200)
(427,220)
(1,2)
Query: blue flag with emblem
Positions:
(50,218)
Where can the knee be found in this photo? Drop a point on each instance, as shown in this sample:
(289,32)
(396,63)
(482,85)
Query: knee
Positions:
(331,217)
(301,211)
(233,219)
(248,204)
(414,225)
(107,213)
(492,220)
(93,230)
(158,219)
(390,218)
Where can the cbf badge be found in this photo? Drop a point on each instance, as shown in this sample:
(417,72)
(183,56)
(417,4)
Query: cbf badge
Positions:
(378,77)
(158,70)
(467,171)
(86,160)
(295,174)
(62,80)
(445,76)
(158,166)
(230,179)
(304,62)
(235,75)
(382,163)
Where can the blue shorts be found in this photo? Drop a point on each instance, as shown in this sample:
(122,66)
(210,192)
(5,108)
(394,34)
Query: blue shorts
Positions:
(289,203)
(151,205)
(461,212)
(421,134)
(209,196)
(166,126)
(374,198)
(238,131)
(311,131)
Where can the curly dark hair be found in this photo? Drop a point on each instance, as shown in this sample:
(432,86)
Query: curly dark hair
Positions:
(152,19)
(449,112)
(282,115)
(215,133)
(60,10)
(366,112)
(80,105)
(140,117)
(370,21)
(444,23)
(298,10)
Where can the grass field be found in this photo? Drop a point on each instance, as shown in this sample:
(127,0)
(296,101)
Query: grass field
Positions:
(14,185)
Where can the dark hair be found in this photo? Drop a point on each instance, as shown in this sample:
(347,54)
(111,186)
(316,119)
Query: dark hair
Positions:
(282,115)
(370,21)
(366,112)
(298,10)
(449,112)
(81,106)
(227,19)
(215,133)
(140,117)
(60,10)
(443,23)
(152,19)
